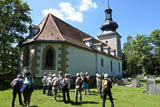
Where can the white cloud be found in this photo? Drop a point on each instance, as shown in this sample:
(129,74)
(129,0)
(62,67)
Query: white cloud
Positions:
(87,4)
(70,13)
(54,12)
(67,12)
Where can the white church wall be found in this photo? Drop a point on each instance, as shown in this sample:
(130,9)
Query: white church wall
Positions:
(42,47)
(106,68)
(81,60)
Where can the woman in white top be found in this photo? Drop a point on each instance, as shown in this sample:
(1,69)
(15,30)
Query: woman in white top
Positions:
(27,88)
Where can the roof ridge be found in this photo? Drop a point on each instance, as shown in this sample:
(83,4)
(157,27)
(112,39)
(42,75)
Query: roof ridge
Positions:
(45,19)
(57,26)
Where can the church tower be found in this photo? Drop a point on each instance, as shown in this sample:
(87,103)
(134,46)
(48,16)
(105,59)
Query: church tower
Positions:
(109,34)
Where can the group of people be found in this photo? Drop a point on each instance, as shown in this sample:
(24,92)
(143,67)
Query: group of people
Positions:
(63,83)
(22,85)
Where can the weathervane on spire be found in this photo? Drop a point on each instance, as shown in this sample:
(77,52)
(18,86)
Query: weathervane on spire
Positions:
(108,7)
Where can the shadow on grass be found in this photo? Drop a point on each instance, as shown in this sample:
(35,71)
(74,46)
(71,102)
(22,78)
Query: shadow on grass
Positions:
(33,106)
(5,85)
(84,102)
(72,90)
(92,94)
(59,100)
(59,96)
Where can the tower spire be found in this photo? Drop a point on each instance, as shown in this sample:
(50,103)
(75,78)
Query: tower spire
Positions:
(109,24)
(108,7)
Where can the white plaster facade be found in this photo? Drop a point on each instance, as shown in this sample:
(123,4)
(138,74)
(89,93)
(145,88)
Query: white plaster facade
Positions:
(79,60)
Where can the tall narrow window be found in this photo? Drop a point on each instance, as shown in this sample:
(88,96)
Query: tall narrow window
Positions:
(26,57)
(102,62)
(111,66)
(118,66)
(49,58)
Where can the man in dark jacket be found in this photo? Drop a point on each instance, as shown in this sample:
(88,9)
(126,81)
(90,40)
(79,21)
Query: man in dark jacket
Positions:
(106,86)
(16,84)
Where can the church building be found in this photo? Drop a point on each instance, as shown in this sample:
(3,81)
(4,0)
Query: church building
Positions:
(55,46)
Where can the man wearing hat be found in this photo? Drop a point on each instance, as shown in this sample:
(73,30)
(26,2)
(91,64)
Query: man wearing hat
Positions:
(49,84)
(44,82)
(65,88)
(78,88)
(106,86)
(16,84)
(55,86)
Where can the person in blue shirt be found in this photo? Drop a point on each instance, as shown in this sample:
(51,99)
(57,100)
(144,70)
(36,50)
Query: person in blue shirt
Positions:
(17,85)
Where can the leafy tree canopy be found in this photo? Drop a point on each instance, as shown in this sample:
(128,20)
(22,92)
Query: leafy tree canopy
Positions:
(14,18)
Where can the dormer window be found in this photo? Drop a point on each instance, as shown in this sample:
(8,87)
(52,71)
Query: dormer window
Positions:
(89,42)
(107,49)
(113,52)
(99,46)
(33,30)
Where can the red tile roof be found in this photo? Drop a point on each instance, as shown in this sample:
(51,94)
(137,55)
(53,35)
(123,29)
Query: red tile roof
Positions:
(54,29)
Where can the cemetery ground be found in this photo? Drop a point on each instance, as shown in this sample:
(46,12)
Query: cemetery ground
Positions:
(123,97)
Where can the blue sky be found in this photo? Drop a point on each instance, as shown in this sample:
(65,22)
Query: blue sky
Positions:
(133,16)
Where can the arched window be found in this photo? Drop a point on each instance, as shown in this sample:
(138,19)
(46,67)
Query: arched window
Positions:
(49,58)
(26,57)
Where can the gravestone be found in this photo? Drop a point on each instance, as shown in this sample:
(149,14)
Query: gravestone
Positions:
(150,82)
(154,89)
(120,82)
(141,76)
(136,83)
(145,77)
(125,81)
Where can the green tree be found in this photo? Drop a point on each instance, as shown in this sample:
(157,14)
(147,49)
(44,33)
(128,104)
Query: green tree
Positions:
(14,17)
(129,58)
(138,55)
(143,51)
(155,41)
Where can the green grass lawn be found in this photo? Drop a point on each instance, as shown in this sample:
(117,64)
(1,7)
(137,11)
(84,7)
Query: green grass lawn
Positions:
(123,97)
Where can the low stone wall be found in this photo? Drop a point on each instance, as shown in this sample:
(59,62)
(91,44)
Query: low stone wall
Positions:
(8,77)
